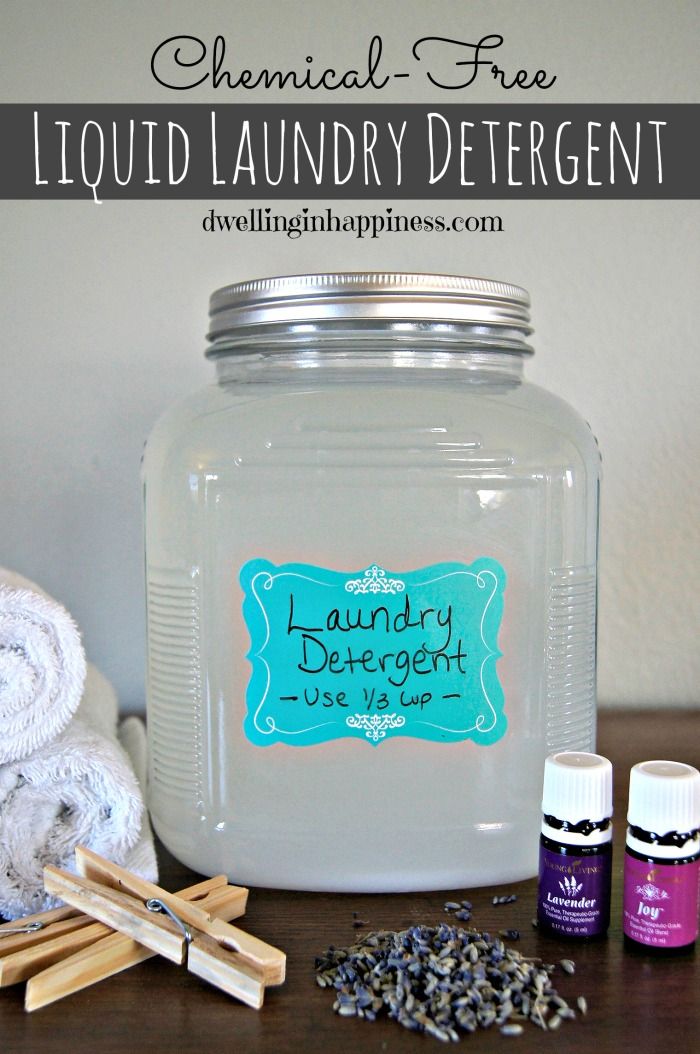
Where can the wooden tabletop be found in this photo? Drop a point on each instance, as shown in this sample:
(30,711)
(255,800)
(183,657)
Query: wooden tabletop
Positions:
(636,1003)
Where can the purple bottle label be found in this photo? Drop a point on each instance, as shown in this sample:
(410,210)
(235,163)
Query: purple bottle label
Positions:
(574,892)
(660,906)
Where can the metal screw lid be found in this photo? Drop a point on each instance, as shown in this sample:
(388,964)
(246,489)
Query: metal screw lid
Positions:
(577,786)
(370,296)
(664,796)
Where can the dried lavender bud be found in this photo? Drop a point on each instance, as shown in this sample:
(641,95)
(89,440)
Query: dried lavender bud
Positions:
(511,1030)
(442,980)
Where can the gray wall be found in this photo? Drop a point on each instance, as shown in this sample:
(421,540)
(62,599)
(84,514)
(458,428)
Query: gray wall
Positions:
(103,309)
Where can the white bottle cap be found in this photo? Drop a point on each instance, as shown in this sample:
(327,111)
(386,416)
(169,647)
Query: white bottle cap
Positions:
(577,786)
(664,796)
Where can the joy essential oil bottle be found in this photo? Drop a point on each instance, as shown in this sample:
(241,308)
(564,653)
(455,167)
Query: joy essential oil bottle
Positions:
(662,857)
(575,845)
(371,588)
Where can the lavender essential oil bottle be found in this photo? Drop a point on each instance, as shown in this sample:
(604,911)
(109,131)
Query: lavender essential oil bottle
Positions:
(662,858)
(575,845)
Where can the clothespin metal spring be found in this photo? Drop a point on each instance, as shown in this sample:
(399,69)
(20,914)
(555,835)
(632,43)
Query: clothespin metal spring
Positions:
(154,904)
(31,927)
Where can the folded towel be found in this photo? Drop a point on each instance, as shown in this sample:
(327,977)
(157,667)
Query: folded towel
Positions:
(132,737)
(78,789)
(99,706)
(42,667)
(64,779)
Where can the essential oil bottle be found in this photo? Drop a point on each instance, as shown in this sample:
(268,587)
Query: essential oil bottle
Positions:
(662,857)
(575,845)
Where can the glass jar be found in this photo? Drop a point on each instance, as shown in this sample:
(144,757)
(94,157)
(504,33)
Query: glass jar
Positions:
(371,588)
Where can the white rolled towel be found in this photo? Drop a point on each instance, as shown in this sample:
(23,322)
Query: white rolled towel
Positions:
(64,779)
(42,667)
(99,706)
(142,857)
(79,789)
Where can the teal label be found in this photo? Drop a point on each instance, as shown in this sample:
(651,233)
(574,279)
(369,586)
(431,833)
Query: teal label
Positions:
(373,654)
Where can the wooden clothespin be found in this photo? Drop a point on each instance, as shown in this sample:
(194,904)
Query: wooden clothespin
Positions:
(110,955)
(62,951)
(166,923)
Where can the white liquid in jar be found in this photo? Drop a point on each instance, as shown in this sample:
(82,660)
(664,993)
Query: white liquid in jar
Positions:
(344,468)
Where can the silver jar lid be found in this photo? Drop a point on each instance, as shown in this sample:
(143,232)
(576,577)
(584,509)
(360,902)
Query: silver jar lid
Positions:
(367,296)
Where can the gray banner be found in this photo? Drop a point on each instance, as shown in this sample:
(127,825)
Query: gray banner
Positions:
(320,151)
